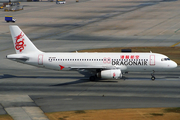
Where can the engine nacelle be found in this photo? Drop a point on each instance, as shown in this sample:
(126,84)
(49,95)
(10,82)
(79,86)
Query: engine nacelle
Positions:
(109,74)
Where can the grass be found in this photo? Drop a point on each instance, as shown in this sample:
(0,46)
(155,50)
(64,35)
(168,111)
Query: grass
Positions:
(172,52)
(63,118)
(118,114)
(79,111)
(175,110)
(5,117)
(157,114)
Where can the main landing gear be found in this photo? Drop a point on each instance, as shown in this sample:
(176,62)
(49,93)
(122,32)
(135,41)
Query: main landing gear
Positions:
(92,78)
(152,76)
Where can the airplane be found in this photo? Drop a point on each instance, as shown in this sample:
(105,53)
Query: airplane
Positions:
(96,65)
(8,1)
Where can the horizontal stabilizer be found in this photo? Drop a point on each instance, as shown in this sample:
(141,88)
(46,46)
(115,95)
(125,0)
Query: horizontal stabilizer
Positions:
(20,57)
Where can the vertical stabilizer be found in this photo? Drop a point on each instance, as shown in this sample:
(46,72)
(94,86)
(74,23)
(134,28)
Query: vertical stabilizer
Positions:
(22,44)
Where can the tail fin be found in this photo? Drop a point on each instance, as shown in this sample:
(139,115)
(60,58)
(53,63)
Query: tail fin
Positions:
(22,44)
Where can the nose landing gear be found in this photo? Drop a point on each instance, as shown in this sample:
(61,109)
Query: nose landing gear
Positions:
(152,76)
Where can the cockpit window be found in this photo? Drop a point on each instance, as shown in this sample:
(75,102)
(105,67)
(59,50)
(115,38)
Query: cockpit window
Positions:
(165,59)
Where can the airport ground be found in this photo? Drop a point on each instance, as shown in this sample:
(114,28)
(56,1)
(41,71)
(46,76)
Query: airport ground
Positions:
(120,114)
(88,24)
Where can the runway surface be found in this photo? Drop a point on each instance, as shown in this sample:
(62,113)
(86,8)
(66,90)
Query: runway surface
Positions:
(64,91)
(86,25)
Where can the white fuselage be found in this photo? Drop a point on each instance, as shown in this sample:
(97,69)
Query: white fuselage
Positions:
(123,61)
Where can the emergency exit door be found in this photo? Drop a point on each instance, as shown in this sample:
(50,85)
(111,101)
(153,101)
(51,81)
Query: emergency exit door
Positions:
(40,59)
(152,60)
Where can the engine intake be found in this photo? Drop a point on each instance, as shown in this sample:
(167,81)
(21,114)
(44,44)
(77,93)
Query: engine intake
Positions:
(109,74)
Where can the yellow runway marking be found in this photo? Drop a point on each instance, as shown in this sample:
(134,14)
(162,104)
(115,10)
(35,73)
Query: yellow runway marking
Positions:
(174,44)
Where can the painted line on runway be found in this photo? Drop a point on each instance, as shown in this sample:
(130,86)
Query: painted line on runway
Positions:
(175,44)
(129,95)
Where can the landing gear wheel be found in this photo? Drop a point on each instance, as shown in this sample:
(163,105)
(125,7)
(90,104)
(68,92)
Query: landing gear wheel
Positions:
(123,78)
(92,78)
(153,78)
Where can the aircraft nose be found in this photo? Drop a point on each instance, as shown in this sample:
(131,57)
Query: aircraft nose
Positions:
(173,64)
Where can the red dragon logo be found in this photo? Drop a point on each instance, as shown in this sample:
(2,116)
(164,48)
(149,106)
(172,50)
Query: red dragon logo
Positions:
(19,44)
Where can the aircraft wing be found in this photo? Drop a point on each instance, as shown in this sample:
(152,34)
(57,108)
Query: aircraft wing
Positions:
(91,70)
(100,67)
(93,67)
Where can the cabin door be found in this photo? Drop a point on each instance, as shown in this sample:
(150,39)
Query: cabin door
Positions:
(40,59)
(152,60)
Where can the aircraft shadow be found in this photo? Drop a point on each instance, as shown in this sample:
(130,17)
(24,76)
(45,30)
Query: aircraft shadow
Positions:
(77,81)
(4,76)
(72,82)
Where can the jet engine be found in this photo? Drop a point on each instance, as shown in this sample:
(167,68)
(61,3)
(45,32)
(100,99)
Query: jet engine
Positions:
(108,74)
